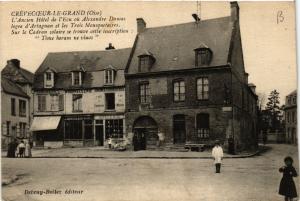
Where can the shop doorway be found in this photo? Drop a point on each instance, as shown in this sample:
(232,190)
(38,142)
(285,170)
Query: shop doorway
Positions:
(99,135)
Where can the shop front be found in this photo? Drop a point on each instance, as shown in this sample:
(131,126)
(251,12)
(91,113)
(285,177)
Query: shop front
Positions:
(47,131)
(88,130)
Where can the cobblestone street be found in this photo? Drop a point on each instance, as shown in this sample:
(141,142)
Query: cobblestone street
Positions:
(250,179)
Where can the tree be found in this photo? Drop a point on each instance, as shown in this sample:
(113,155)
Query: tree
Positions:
(273,108)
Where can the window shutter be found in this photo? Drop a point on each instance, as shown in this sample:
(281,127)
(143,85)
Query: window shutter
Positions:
(61,102)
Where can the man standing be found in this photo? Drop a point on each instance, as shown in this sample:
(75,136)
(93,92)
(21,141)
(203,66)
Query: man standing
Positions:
(217,154)
(12,147)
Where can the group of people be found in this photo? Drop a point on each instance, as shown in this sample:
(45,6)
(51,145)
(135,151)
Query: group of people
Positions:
(19,149)
(287,187)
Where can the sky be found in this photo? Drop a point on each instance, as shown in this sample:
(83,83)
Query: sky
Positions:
(269,46)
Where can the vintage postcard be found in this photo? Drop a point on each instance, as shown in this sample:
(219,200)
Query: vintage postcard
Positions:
(148,101)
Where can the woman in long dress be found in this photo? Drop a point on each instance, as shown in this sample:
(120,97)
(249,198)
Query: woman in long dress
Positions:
(28,150)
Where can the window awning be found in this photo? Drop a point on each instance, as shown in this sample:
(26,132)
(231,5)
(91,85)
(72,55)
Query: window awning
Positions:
(45,123)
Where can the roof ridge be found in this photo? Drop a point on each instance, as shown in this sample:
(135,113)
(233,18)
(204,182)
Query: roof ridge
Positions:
(91,51)
(185,23)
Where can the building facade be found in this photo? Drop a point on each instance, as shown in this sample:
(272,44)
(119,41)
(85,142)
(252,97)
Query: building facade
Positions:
(290,111)
(14,112)
(16,102)
(187,83)
(79,98)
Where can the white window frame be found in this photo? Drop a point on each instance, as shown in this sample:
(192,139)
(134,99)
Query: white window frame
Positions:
(48,83)
(79,77)
(109,76)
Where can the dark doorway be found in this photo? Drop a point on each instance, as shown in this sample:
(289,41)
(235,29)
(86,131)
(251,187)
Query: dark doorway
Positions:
(99,134)
(179,129)
(145,133)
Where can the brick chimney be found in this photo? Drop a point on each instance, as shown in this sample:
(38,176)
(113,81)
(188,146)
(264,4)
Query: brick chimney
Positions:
(110,47)
(14,62)
(141,25)
(235,11)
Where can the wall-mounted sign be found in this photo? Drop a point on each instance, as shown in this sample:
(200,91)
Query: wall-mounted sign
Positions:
(226,109)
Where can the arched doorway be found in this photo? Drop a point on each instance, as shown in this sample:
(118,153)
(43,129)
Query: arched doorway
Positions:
(145,130)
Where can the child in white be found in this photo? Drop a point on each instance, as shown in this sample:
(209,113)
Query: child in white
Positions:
(217,153)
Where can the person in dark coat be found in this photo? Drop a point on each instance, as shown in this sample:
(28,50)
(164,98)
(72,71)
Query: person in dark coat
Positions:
(143,141)
(12,147)
(231,146)
(287,186)
(135,142)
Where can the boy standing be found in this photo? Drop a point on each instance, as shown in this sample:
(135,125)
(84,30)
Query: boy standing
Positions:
(217,153)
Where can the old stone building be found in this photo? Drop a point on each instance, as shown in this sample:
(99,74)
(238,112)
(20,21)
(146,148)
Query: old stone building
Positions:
(79,98)
(16,102)
(187,82)
(290,111)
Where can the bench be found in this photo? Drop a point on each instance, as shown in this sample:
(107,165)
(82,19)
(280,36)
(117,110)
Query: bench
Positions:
(195,147)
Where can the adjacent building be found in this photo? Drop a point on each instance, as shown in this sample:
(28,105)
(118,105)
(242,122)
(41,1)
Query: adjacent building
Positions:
(290,111)
(79,98)
(16,105)
(187,83)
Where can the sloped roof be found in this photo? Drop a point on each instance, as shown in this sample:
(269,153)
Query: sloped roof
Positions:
(14,73)
(173,46)
(28,75)
(293,92)
(91,60)
(12,88)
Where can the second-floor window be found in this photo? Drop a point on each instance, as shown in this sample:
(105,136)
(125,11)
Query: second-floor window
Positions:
(110,101)
(109,76)
(179,90)
(22,108)
(76,78)
(13,106)
(54,102)
(61,102)
(41,103)
(144,93)
(202,88)
(77,102)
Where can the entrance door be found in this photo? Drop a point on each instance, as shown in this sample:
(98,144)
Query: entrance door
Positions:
(99,134)
(179,129)
(145,131)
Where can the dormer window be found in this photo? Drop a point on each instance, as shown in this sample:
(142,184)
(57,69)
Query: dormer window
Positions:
(146,61)
(109,75)
(76,78)
(203,56)
(49,79)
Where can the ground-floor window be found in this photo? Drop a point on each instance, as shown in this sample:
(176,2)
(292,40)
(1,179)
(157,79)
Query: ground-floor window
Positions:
(202,121)
(73,129)
(114,128)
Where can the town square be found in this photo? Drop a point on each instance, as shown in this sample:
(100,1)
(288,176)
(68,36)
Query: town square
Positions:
(115,102)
